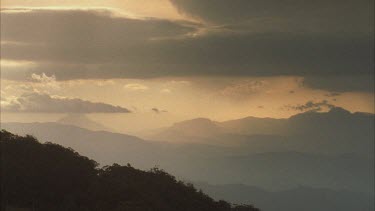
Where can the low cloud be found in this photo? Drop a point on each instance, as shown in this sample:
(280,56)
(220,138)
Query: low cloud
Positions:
(45,82)
(157,111)
(332,94)
(136,87)
(311,106)
(165,91)
(43,103)
(244,89)
(43,78)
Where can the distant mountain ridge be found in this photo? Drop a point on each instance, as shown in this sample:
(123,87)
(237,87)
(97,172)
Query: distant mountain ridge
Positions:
(270,126)
(204,163)
(300,198)
(337,131)
(247,163)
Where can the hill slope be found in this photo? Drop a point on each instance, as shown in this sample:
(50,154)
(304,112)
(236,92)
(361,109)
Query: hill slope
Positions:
(51,177)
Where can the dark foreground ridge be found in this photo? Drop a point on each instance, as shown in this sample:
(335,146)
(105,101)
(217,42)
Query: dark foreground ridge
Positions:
(37,176)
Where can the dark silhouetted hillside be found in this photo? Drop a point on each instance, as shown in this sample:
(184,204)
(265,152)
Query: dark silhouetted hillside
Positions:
(47,176)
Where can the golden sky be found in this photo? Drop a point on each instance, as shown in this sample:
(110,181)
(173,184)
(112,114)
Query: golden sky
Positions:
(185,98)
(143,8)
(170,67)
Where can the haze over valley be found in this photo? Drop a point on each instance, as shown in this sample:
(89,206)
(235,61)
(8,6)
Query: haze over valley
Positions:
(187,105)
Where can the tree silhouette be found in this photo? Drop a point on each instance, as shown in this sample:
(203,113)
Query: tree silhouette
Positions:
(50,177)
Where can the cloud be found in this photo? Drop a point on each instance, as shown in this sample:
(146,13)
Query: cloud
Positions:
(89,43)
(136,87)
(43,103)
(45,82)
(43,78)
(246,88)
(165,91)
(332,94)
(105,82)
(251,38)
(342,83)
(311,106)
(156,110)
(319,15)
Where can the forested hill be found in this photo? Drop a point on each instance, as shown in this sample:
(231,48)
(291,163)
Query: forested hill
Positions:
(37,176)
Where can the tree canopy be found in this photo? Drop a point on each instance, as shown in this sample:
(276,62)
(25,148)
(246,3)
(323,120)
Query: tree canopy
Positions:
(48,176)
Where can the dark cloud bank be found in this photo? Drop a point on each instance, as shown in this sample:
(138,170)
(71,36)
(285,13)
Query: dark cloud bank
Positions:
(319,39)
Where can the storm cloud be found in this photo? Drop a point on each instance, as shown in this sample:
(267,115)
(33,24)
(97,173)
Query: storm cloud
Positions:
(246,40)
(342,83)
(321,15)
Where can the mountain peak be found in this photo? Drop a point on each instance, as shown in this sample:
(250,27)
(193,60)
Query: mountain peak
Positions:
(335,111)
(198,124)
(201,121)
(339,110)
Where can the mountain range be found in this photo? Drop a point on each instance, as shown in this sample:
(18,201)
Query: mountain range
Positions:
(300,198)
(306,150)
(311,132)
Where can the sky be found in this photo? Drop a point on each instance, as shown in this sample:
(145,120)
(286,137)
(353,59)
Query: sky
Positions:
(142,64)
